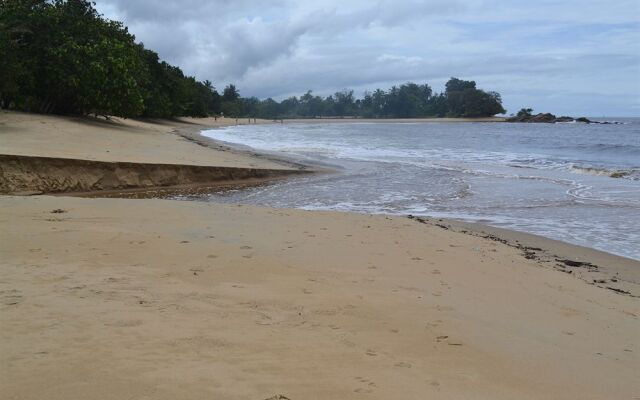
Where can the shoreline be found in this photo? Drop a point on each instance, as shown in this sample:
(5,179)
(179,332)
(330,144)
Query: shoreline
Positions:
(595,267)
(395,120)
(190,129)
(474,226)
(182,299)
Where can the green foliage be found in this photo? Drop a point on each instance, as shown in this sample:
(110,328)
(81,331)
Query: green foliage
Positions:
(409,100)
(61,56)
(465,100)
(525,112)
(234,106)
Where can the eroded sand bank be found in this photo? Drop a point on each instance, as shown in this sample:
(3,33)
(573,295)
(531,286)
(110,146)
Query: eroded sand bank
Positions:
(51,154)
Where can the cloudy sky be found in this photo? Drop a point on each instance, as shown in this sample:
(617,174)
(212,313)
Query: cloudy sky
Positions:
(576,57)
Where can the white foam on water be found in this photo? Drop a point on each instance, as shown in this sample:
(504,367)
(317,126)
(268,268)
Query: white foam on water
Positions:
(574,182)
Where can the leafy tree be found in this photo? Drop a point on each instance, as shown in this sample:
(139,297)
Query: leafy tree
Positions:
(409,100)
(458,85)
(230,93)
(269,109)
(437,106)
(251,106)
(344,103)
(525,112)
(465,100)
(61,56)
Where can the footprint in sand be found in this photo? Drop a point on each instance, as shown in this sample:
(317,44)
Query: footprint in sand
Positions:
(125,323)
(402,364)
(348,343)
(246,247)
(450,342)
(370,385)
(371,353)
(11,297)
(434,324)
(434,383)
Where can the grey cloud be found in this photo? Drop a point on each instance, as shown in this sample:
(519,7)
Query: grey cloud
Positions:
(273,49)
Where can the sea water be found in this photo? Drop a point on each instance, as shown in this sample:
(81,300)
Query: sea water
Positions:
(575,182)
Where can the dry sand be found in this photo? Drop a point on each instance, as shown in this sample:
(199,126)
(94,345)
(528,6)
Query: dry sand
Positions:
(118,299)
(50,154)
(123,140)
(158,299)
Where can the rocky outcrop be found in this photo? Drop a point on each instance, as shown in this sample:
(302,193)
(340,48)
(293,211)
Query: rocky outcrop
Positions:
(548,118)
(36,175)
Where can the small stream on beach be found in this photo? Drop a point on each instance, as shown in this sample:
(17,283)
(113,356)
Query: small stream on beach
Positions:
(573,182)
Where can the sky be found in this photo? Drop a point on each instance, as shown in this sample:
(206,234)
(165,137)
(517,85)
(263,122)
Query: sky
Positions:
(572,57)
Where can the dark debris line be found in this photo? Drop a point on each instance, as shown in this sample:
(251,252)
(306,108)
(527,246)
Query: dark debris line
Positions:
(533,253)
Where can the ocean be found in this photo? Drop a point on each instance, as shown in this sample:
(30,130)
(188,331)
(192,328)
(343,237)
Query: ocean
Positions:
(573,182)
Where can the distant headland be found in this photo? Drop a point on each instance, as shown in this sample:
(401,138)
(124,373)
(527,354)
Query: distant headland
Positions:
(527,115)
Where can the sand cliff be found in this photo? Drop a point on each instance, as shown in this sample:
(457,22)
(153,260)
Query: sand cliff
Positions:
(37,175)
(49,154)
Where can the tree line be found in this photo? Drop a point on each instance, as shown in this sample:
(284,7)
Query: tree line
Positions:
(62,56)
(410,100)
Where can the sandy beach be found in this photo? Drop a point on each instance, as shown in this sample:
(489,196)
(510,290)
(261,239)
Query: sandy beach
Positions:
(346,120)
(108,298)
(50,154)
